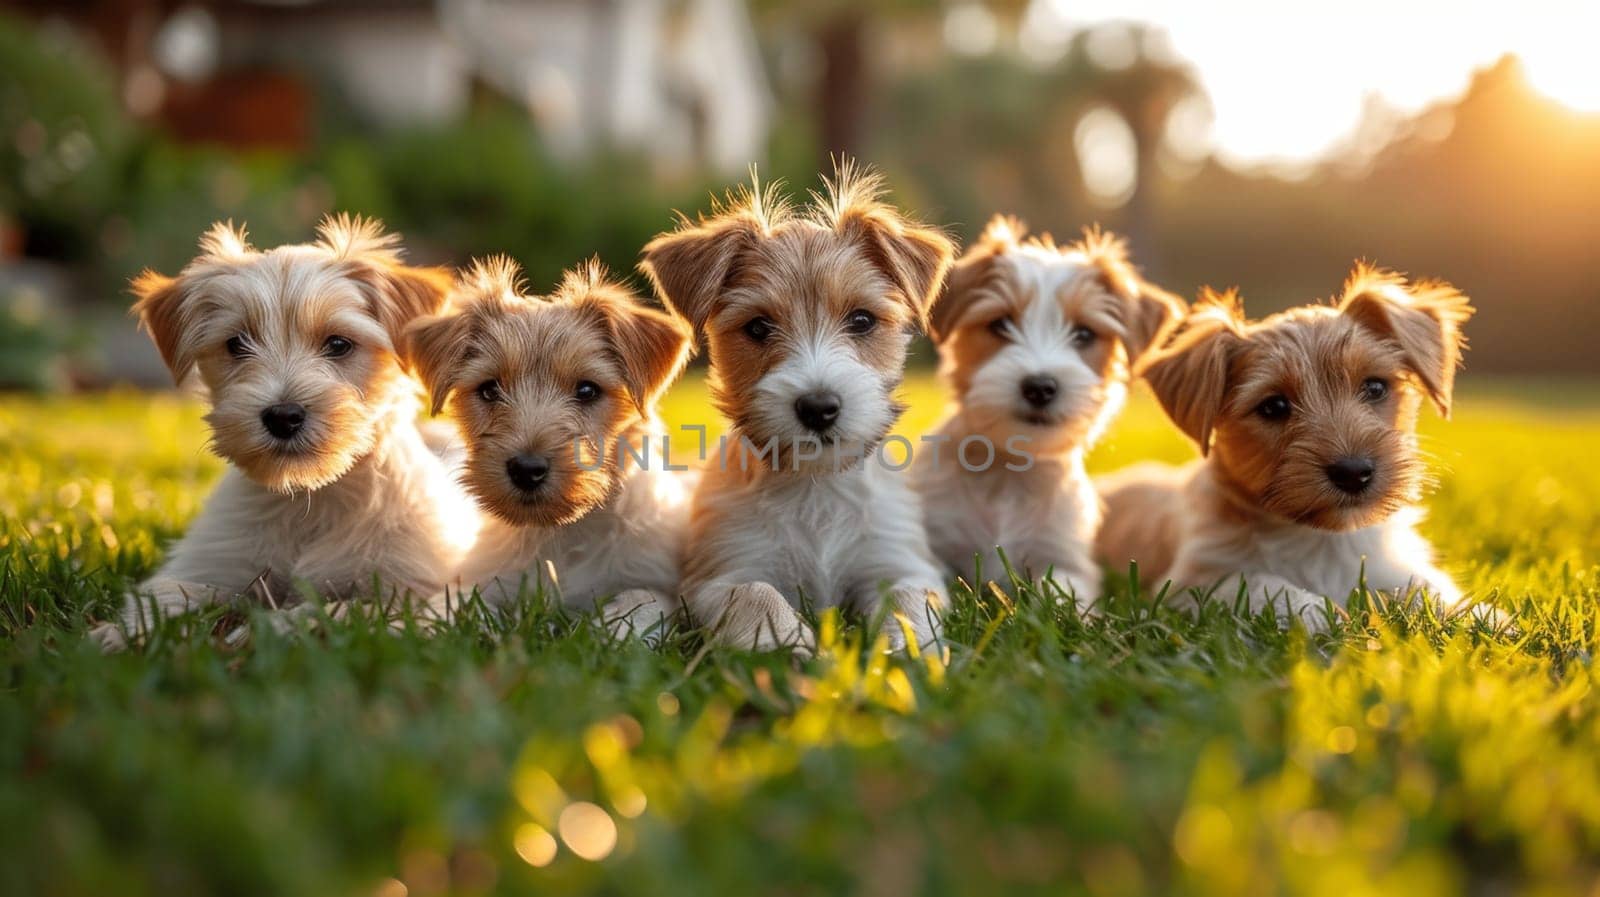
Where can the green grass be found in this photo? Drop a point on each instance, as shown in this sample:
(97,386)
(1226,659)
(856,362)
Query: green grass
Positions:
(1142,752)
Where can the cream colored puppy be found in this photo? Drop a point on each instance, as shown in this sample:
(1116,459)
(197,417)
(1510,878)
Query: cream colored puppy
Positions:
(1036,341)
(807,316)
(555,398)
(1307,423)
(330,484)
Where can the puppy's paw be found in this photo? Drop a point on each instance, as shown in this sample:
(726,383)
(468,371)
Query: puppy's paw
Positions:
(302,617)
(110,637)
(1315,613)
(759,618)
(916,615)
(1083,598)
(1498,621)
(899,631)
(1080,591)
(640,613)
(139,614)
(1314,618)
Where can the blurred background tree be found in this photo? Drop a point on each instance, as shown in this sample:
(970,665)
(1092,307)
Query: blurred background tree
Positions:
(555,130)
(67,139)
(839,48)
(1142,91)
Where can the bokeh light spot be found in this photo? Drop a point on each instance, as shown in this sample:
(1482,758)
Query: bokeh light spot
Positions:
(588,831)
(1107,156)
(536,846)
(1342,739)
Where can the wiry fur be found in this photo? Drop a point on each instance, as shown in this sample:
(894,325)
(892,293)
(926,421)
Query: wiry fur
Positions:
(1262,503)
(356,495)
(586,534)
(822,527)
(1010,313)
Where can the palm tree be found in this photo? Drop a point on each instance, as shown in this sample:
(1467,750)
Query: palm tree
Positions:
(1144,94)
(838,31)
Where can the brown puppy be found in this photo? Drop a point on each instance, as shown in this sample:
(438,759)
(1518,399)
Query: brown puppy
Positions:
(555,397)
(329,483)
(808,316)
(1311,472)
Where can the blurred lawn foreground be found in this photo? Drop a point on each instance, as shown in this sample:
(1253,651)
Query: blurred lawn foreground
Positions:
(1142,752)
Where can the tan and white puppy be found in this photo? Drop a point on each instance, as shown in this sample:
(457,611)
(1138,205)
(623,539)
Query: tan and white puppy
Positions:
(1311,472)
(807,315)
(330,484)
(1036,341)
(555,397)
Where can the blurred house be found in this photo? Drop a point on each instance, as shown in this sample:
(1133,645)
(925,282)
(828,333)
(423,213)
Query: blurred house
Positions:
(680,81)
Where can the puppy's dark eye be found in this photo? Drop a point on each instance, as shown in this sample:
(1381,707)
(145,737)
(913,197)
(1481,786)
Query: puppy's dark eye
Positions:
(1374,390)
(490,391)
(1082,336)
(237,347)
(587,391)
(336,347)
(860,322)
(1274,408)
(1001,327)
(759,329)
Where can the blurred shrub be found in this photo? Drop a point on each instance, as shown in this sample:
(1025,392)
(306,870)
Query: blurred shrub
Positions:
(174,192)
(485,185)
(65,138)
(91,188)
(477,187)
(30,341)
(1004,121)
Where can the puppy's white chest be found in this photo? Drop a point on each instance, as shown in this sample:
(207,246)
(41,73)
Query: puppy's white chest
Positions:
(1039,517)
(814,528)
(1332,564)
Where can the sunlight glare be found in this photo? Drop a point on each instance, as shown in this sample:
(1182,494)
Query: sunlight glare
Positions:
(1107,156)
(534,844)
(970,29)
(588,831)
(1566,72)
(1112,48)
(1287,86)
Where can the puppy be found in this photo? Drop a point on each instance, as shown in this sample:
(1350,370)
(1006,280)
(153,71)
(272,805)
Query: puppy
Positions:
(555,398)
(330,484)
(1036,341)
(807,315)
(1306,423)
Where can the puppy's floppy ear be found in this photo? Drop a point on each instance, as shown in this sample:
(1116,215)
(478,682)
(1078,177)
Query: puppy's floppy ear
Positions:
(404,294)
(970,274)
(1190,375)
(1153,314)
(159,309)
(1424,319)
(1150,313)
(433,346)
(396,293)
(652,346)
(915,258)
(691,266)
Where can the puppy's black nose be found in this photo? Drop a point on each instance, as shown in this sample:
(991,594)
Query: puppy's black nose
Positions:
(1039,389)
(1351,475)
(284,420)
(527,471)
(818,410)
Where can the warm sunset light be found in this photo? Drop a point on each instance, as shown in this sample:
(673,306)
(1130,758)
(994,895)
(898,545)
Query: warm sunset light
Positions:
(1565,68)
(984,448)
(1289,86)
